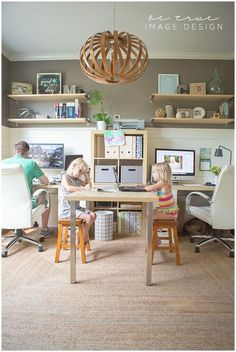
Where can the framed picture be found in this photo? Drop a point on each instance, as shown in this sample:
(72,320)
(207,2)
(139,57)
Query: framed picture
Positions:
(48,83)
(198,88)
(205,165)
(168,83)
(21,88)
(182,113)
(198,112)
(205,159)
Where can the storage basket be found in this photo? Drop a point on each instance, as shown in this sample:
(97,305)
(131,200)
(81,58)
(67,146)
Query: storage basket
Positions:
(104,225)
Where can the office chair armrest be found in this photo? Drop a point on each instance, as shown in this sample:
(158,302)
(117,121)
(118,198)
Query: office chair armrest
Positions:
(190,196)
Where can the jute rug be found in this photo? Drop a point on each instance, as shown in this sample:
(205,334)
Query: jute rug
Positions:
(110,308)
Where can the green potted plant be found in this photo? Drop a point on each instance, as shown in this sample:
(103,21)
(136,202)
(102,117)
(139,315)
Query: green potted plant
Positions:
(216,171)
(102,118)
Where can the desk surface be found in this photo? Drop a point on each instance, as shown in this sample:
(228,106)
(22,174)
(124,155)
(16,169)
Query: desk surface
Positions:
(178,187)
(191,188)
(143,197)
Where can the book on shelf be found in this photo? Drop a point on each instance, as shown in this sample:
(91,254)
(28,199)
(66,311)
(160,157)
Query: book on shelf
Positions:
(63,110)
(69,110)
(56,111)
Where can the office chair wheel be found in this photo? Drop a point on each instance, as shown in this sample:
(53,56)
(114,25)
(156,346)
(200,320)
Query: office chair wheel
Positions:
(191,240)
(19,240)
(231,254)
(41,239)
(197,250)
(40,248)
(4,254)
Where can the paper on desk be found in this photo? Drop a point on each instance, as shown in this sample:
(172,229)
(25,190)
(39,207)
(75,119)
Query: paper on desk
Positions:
(191,184)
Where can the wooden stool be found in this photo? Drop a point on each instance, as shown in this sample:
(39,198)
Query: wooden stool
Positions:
(62,239)
(171,226)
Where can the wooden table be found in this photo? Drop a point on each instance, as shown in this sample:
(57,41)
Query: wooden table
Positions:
(146,198)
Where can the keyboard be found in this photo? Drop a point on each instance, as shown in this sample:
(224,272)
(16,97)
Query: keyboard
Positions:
(131,189)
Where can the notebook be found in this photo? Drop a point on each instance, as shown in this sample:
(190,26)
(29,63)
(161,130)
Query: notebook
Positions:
(127,188)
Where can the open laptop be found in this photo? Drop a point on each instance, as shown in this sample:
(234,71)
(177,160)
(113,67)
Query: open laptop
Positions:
(127,188)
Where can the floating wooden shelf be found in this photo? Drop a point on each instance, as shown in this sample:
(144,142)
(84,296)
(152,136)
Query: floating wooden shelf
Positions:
(190,97)
(188,121)
(50,121)
(82,97)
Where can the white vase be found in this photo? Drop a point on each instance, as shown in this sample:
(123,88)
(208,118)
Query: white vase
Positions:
(101,125)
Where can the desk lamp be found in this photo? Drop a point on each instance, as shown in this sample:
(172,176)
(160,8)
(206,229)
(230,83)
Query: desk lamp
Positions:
(219,152)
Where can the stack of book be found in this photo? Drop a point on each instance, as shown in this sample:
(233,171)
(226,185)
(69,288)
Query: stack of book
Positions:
(70,110)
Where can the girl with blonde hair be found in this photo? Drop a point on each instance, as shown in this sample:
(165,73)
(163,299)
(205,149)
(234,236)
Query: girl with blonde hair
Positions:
(167,209)
(76,178)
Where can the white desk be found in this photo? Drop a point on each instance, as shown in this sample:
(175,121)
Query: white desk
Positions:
(146,198)
(181,190)
(177,187)
(202,188)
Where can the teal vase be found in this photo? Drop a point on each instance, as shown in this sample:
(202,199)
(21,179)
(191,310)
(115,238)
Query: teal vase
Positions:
(215,85)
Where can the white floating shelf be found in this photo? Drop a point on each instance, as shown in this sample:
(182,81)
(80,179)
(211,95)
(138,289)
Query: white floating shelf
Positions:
(184,121)
(50,121)
(82,97)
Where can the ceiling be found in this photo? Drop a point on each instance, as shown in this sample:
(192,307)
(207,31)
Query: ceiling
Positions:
(57,30)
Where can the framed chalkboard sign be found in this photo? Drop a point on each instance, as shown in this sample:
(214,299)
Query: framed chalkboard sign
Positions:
(48,83)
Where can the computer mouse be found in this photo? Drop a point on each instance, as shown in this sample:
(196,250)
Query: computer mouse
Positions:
(209,184)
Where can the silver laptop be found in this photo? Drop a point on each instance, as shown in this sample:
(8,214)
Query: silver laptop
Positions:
(127,188)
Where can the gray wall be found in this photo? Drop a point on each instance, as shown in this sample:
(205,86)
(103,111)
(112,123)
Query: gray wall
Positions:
(5,89)
(131,100)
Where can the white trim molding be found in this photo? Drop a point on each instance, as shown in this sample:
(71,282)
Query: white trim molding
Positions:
(152,55)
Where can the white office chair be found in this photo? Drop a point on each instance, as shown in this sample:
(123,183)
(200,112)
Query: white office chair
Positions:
(220,211)
(16,206)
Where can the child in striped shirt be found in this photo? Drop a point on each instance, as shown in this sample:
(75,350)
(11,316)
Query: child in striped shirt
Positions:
(167,209)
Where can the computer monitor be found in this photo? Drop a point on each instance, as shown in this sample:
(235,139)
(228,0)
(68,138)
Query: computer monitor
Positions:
(182,162)
(47,156)
(70,158)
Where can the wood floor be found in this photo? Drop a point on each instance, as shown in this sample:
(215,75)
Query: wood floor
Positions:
(190,307)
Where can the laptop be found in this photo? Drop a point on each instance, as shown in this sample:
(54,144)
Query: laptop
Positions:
(127,188)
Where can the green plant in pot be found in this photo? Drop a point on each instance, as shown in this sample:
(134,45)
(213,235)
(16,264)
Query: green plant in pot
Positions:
(102,118)
(216,171)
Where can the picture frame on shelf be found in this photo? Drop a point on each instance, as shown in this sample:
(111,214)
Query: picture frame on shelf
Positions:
(48,83)
(184,113)
(18,88)
(168,83)
(198,112)
(197,88)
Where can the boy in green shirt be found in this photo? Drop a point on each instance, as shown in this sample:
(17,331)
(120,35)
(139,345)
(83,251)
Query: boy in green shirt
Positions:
(32,170)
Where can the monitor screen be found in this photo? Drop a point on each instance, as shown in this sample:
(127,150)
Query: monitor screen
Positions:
(48,156)
(70,158)
(182,162)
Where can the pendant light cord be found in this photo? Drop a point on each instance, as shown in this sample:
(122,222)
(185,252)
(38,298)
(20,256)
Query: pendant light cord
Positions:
(114,11)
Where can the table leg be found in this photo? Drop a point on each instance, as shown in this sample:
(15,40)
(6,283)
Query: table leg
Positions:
(72,244)
(149,217)
(144,219)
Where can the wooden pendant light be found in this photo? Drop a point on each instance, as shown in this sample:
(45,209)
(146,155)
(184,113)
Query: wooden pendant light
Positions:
(113,58)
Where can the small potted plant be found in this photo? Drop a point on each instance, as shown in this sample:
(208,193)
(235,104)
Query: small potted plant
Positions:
(102,118)
(216,171)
